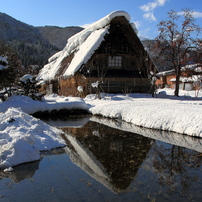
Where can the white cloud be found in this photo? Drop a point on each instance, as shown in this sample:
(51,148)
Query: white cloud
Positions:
(150,16)
(150,7)
(162,2)
(195,14)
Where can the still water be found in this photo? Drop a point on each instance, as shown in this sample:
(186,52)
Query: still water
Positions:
(109,160)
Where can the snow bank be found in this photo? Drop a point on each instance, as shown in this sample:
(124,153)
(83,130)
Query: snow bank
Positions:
(179,116)
(51,102)
(22,137)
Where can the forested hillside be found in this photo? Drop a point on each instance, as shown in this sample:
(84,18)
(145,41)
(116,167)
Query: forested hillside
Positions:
(34,45)
(58,36)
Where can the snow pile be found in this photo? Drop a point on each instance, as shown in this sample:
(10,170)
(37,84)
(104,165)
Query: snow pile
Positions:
(181,116)
(83,45)
(22,137)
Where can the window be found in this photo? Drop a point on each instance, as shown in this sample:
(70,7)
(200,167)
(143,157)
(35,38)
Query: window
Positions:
(115,62)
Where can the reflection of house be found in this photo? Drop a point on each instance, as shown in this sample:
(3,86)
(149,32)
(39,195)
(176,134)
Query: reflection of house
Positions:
(109,51)
(191,77)
(111,156)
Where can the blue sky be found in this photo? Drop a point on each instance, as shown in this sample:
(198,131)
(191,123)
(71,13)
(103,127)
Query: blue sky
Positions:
(145,13)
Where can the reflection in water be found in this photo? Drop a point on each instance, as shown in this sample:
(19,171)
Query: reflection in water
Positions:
(164,136)
(27,170)
(147,165)
(175,166)
(113,157)
(21,172)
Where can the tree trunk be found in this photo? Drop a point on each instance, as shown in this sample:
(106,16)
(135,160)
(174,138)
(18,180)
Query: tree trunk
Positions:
(177,84)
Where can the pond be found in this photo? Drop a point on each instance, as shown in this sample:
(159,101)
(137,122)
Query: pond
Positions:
(109,160)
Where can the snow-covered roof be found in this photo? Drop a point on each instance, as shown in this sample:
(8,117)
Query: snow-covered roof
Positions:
(83,45)
(4,60)
(26,78)
(164,73)
(195,67)
(193,78)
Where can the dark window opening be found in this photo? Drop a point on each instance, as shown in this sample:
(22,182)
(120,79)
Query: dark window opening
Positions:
(115,62)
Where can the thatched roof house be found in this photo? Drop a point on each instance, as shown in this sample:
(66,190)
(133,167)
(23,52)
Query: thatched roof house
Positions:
(190,78)
(108,51)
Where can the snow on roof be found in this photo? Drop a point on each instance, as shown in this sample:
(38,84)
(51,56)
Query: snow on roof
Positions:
(164,73)
(4,59)
(90,44)
(26,78)
(193,78)
(83,44)
(194,67)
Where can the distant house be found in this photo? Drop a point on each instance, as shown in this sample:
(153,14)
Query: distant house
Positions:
(109,52)
(190,79)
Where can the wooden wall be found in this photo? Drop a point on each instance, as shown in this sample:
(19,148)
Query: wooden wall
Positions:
(68,86)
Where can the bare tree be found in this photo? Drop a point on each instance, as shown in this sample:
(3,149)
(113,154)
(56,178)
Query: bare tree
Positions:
(180,41)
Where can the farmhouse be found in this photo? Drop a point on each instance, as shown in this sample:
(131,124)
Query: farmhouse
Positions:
(190,79)
(107,52)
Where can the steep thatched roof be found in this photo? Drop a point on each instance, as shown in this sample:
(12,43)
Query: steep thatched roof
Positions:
(81,47)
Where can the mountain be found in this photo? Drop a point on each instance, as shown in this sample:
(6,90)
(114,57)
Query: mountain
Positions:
(58,36)
(34,45)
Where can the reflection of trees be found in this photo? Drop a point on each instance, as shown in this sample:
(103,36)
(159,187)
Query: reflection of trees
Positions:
(174,165)
(120,153)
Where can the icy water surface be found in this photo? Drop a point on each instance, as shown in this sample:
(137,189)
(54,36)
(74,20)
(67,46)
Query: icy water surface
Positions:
(109,160)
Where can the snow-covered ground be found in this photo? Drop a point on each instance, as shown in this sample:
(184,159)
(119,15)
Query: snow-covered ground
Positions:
(29,106)
(22,136)
(182,115)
